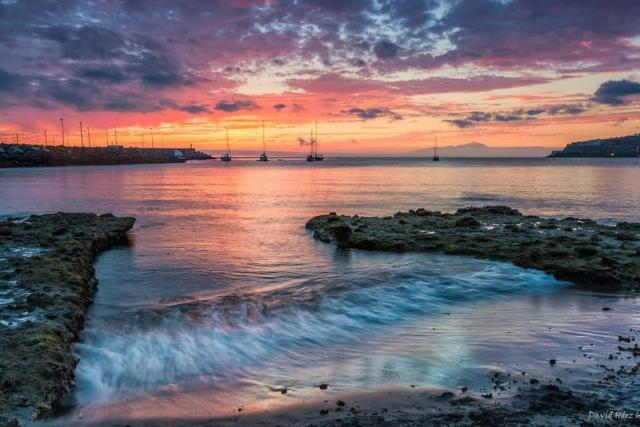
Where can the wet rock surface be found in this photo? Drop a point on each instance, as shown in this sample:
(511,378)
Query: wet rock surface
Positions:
(47,282)
(578,250)
(544,405)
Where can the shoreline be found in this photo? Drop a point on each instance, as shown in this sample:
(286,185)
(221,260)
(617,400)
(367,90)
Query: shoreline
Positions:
(50,257)
(590,255)
(47,281)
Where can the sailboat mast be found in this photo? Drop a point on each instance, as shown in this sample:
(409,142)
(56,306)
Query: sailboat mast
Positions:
(228,146)
(264,150)
(435,147)
(316,141)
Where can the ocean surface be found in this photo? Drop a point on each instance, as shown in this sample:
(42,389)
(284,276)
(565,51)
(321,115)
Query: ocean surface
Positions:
(223,299)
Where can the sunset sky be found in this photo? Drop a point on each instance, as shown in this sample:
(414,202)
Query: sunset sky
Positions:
(380,76)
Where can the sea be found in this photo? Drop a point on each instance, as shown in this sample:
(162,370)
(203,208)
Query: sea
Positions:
(223,301)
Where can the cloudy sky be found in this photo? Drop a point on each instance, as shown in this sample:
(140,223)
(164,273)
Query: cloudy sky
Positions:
(380,76)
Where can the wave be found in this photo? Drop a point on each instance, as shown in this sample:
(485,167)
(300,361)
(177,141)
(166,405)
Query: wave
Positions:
(229,334)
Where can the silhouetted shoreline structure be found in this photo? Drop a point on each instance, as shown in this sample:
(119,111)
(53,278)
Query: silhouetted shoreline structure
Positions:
(24,155)
(622,146)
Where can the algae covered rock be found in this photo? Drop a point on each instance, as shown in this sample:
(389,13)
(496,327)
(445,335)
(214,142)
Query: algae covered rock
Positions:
(574,249)
(49,279)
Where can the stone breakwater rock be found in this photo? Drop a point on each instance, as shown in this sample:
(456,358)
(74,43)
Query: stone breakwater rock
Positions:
(24,155)
(577,250)
(47,282)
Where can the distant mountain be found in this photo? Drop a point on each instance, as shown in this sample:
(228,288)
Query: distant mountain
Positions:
(622,146)
(478,149)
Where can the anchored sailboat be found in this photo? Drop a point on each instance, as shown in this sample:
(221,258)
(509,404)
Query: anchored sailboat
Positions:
(436,158)
(311,156)
(317,157)
(263,157)
(226,157)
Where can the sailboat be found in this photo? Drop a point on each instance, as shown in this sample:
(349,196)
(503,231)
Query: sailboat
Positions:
(436,158)
(226,157)
(317,157)
(311,156)
(263,157)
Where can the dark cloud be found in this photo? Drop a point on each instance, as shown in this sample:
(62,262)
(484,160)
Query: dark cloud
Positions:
(86,95)
(195,108)
(613,92)
(105,74)
(479,116)
(506,118)
(619,122)
(9,81)
(385,49)
(232,106)
(279,107)
(142,57)
(461,123)
(372,113)
(413,14)
(77,93)
(93,95)
(86,42)
(476,117)
(512,34)
(566,109)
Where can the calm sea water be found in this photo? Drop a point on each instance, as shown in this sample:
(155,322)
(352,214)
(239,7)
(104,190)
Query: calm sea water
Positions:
(223,298)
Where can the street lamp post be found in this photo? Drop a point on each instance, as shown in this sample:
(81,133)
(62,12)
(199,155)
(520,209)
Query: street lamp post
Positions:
(62,126)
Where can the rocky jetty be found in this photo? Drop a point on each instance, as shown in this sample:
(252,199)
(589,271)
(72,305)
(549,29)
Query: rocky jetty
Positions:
(47,282)
(573,249)
(21,155)
(623,146)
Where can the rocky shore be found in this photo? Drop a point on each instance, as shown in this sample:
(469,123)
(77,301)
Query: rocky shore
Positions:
(582,251)
(21,155)
(622,146)
(577,250)
(47,282)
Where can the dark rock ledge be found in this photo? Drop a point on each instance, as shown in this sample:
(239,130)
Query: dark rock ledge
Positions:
(577,250)
(47,282)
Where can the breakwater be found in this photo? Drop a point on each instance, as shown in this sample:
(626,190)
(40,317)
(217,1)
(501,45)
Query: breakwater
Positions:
(21,155)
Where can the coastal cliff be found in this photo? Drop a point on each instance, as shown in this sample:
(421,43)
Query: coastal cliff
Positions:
(624,146)
(21,155)
(577,250)
(47,282)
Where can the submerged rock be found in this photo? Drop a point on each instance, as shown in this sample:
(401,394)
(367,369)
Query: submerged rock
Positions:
(47,271)
(578,250)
